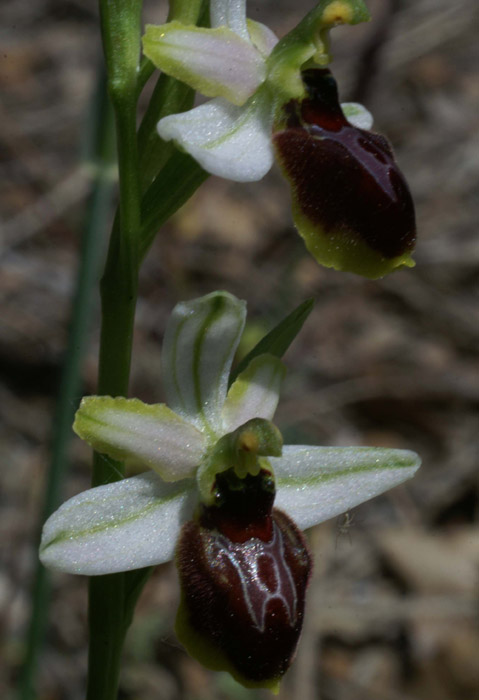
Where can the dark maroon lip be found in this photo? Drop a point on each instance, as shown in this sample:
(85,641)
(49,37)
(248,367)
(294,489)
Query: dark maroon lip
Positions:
(246,598)
(345,179)
(244,568)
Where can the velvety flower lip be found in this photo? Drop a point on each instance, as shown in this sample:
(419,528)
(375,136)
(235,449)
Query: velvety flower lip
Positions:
(136,522)
(244,568)
(351,203)
(348,191)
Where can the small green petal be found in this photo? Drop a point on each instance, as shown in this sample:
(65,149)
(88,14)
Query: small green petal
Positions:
(262,37)
(255,393)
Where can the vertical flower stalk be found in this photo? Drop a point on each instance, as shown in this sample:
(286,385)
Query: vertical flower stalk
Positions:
(120,26)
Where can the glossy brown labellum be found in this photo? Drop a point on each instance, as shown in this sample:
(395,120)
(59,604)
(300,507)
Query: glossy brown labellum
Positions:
(244,596)
(345,179)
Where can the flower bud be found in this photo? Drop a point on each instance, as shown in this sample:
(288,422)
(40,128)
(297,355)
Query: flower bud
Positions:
(243,570)
(351,202)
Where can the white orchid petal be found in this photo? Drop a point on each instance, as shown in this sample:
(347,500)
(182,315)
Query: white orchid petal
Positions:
(228,141)
(200,341)
(216,62)
(318,483)
(126,525)
(230,13)
(153,435)
(263,38)
(357,115)
(255,393)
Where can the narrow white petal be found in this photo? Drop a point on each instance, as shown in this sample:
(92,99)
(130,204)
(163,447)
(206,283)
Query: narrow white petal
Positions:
(228,141)
(126,525)
(152,435)
(255,392)
(200,342)
(216,62)
(318,483)
(230,13)
(262,37)
(357,115)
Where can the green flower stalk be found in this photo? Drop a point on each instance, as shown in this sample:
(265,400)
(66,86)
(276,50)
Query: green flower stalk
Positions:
(219,476)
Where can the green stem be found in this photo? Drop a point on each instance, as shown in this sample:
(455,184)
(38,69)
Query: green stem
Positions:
(108,618)
(119,285)
(169,96)
(107,634)
(112,598)
(118,294)
(100,152)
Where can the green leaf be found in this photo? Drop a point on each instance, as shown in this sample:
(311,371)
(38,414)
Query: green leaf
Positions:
(174,185)
(278,340)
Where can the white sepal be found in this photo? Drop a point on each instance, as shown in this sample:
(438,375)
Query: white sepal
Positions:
(122,526)
(228,141)
(216,62)
(317,483)
(200,342)
(151,435)
(255,393)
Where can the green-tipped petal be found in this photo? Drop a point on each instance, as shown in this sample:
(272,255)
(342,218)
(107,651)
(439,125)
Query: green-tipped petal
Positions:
(216,62)
(262,37)
(318,483)
(200,341)
(228,141)
(126,525)
(255,393)
(152,435)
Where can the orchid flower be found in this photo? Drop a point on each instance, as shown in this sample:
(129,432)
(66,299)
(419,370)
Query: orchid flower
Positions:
(214,465)
(351,203)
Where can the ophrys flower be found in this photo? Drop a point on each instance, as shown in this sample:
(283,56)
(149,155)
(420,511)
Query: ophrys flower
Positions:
(351,203)
(216,465)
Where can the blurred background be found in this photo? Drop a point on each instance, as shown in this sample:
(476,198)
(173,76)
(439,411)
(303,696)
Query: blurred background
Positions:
(392,608)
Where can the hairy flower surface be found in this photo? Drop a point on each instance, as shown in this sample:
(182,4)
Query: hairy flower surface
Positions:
(216,465)
(349,220)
